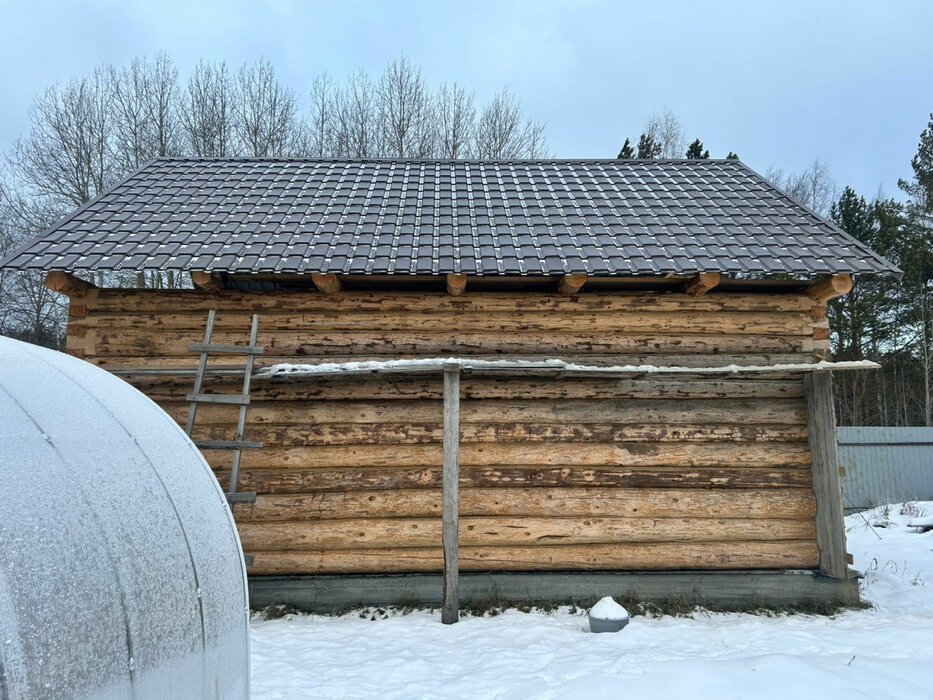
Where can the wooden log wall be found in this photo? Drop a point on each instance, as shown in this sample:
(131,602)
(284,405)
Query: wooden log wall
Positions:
(556,474)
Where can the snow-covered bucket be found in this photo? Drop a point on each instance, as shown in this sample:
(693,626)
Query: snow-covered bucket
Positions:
(608,616)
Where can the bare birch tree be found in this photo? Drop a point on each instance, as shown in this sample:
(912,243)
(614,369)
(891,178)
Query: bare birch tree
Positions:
(66,157)
(455,116)
(207,111)
(405,112)
(145,111)
(322,126)
(667,131)
(357,132)
(502,133)
(266,113)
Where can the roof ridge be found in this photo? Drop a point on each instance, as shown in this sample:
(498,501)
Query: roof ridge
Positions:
(312,159)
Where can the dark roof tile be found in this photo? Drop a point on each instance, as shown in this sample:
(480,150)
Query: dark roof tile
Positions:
(609,217)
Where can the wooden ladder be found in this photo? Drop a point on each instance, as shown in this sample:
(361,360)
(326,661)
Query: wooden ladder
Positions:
(238,444)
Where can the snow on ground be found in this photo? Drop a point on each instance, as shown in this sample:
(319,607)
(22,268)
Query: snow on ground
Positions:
(885,652)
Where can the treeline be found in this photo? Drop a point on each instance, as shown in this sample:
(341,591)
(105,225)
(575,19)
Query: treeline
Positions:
(87,134)
(93,131)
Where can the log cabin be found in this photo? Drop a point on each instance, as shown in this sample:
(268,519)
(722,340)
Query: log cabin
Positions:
(618,374)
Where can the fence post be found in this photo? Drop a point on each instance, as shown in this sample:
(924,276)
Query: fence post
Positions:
(827,486)
(450,611)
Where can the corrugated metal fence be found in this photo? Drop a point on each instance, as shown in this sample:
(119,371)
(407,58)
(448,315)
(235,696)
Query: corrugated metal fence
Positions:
(885,465)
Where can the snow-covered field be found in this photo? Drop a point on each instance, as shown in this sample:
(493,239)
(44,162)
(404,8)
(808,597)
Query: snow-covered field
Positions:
(885,652)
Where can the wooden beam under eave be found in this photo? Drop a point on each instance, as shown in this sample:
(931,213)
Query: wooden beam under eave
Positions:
(327,283)
(830,288)
(570,284)
(456,284)
(67,283)
(701,283)
(208,281)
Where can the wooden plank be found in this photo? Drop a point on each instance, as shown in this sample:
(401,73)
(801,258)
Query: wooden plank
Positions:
(450,609)
(407,302)
(217,398)
(700,284)
(208,281)
(612,359)
(562,412)
(327,283)
(311,434)
(67,283)
(192,410)
(829,288)
(297,481)
(456,284)
(570,285)
(671,454)
(556,321)
(227,445)
(581,502)
(589,557)
(220,349)
(241,498)
(827,486)
(367,533)
(241,412)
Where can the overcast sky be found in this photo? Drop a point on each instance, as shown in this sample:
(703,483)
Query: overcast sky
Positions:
(780,83)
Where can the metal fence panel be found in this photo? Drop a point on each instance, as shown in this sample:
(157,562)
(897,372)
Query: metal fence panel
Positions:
(885,465)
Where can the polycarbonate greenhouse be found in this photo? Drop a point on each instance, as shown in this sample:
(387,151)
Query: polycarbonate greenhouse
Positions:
(121,573)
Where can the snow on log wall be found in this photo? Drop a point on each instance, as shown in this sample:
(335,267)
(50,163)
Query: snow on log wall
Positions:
(121,574)
(649,473)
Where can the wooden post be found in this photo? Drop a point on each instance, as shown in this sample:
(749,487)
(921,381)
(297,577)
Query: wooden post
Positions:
(571,284)
(827,486)
(701,283)
(327,283)
(450,610)
(67,283)
(830,288)
(208,281)
(456,284)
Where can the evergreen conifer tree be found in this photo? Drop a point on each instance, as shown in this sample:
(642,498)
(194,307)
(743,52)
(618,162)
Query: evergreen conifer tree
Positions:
(648,147)
(627,150)
(695,150)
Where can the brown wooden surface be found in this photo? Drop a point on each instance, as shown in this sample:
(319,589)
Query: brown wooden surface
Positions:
(793,554)
(583,501)
(647,472)
(283,481)
(361,533)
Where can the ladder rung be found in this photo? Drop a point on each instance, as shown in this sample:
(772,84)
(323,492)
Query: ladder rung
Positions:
(228,445)
(241,497)
(219,398)
(248,559)
(229,349)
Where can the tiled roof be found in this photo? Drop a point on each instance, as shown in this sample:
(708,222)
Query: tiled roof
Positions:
(601,217)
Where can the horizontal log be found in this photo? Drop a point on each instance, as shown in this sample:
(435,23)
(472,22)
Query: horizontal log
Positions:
(491,531)
(797,554)
(422,433)
(797,503)
(670,411)
(676,359)
(424,387)
(669,454)
(296,481)
(558,321)
(394,301)
(439,343)
(366,533)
